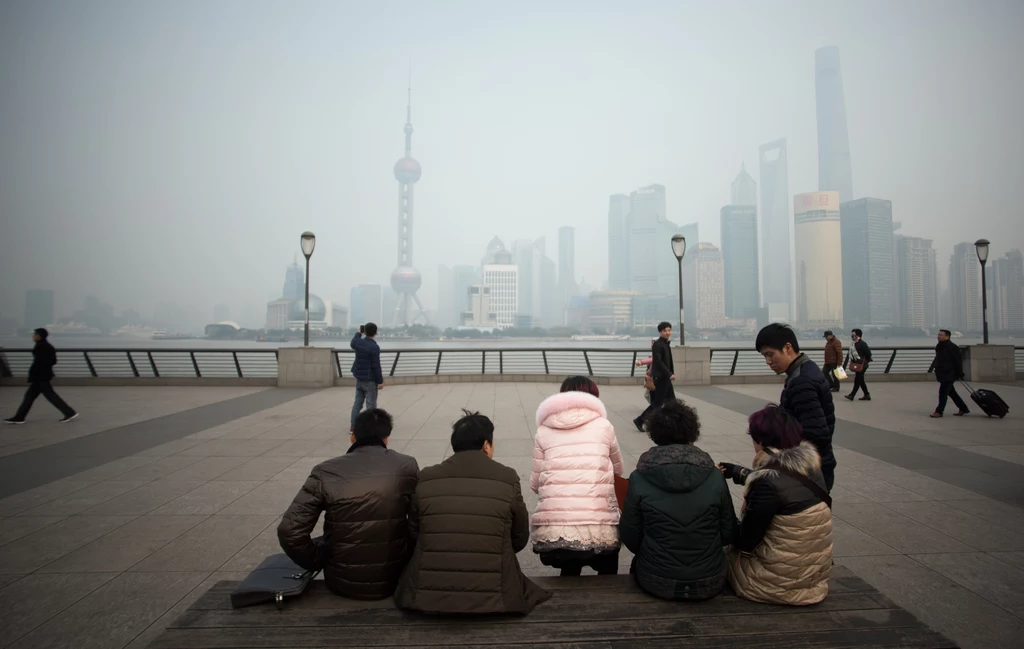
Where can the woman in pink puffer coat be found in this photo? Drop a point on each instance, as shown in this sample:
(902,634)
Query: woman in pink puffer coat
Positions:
(575,459)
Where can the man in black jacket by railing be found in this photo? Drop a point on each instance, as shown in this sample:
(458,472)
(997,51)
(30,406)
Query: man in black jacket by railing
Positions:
(663,372)
(949,368)
(44,357)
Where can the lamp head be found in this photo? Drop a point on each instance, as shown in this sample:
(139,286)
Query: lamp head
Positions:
(981,245)
(678,246)
(308,242)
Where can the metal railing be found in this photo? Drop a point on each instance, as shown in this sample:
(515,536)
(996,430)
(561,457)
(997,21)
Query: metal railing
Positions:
(262,363)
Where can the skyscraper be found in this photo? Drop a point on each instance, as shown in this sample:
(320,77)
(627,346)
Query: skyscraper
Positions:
(739,255)
(38,309)
(566,265)
(776,261)
(406,280)
(743,190)
(819,267)
(528,256)
(710,287)
(618,242)
(366,304)
(965,288)
(868,279)
(916,282)
(448,307)
(691,231)
(834,167)
(646,211)
(463,278)
(503,280)
(1008,294)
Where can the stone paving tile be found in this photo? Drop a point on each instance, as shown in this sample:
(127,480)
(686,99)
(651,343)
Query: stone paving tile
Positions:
(35,550)
(40,495)
(116,469)
(233,447)
(962,526)
(896,530)
(9,579)
(207,499)
(83,499)
(1015,559)
(272,497)
(206,546)
(159,467)
(258,468)
(982,574)
(848,541)
(144,499)
(208,468)
(119,550)
(114,614)
(1003,514)
(15,527)
(34,599)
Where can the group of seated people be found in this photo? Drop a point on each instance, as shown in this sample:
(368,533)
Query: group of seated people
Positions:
(444,539)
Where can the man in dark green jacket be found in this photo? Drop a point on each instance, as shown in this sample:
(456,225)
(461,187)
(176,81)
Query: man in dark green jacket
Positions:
(678,514)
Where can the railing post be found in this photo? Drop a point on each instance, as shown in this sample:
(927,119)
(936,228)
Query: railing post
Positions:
(544,354)
(152,364)
(735,357)
(88,361)
(238,367)
(590,372)
(891,359)
(437,368)
(131,362)
(395,364)
(195,365)
(483,362)
(501,362)
(5,369)
(337,361)
(632,366)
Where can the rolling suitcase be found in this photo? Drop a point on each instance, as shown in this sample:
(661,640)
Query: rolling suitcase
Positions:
(989,402)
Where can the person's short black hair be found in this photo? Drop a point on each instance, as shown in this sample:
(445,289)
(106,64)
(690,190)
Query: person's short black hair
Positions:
(662,326)
(673,423)
(860,334)
(370,329)
(775,336)
(949,334)
(373,423)
(471,432)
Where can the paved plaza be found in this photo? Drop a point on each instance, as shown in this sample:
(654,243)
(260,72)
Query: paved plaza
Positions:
(112,525)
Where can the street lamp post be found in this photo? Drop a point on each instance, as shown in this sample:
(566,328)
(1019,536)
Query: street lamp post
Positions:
(981,246)
(308,242)
(679,249)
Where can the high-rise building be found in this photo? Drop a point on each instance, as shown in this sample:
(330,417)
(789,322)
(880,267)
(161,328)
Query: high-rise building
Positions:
(551,302)
(567,264)
(405,279)
(611,311)
(339,315)
(463,277)
(503,280)
(38,309)
(743,190)
(710,287)
(776,264)
(965,288)
(366,304)
(294,283)
(691,232)
(618,242)
(1008,293)
(868,278)
(646,212)
(916,279)
(739,255)
(479,314)
(528,256)
(449,307)
(819,266)
(835,171)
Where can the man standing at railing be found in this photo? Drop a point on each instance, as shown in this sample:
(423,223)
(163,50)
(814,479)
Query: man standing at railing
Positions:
(44,357)
(366,370)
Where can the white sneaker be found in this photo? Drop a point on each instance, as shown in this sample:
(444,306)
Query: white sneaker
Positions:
(67,419)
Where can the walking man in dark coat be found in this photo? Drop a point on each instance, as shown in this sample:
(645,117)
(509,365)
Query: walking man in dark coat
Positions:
(663,372)
(366,370)
(949,368)
(833,359)
(44,357)
(860,358)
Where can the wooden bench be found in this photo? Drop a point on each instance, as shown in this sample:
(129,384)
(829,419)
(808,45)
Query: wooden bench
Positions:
(584,613)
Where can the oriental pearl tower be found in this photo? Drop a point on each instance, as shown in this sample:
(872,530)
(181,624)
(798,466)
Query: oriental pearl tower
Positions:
(405,279)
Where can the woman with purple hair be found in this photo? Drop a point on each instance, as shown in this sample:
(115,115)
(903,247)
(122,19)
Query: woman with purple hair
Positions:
(783,554)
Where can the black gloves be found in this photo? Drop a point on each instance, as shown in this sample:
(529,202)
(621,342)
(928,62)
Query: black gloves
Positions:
(738,474)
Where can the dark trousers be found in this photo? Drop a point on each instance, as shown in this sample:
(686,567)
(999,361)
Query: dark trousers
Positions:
(833,382)
(947,389)
(572,562)
(663,392)
(859,384)
(44,388)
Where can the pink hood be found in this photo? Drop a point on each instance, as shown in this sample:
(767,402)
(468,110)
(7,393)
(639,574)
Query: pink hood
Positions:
(575,459)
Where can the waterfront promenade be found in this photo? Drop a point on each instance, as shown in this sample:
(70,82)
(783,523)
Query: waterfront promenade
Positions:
(111,526)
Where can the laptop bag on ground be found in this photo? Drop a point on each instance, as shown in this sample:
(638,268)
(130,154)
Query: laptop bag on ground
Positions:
(276,578)
(989,402)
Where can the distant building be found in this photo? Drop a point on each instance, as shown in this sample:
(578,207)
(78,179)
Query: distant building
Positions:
(366,304)
(618,242)
(464,277)
(449,306)
(743,190)
(339,316)
(528,256)
(916,281)
(39,309)
(834,167)
(819,265)
(277,314)
(551,302)
(1008,293)
(479,315)
(503,281)
(691,232)
(965,288)
(710,287)
(647,212)
(611,311)
(740,258)
(567,286)
(289,311)
(775,228)
(868,278)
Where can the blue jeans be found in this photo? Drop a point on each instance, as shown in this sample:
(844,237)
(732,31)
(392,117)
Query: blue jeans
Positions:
(366,391)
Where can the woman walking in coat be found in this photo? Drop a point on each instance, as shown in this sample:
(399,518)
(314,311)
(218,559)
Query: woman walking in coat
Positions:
(783,554)
(575,459)
(678,513)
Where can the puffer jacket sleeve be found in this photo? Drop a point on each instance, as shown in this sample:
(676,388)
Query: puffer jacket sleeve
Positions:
(631,523)
(805,405)
(520,519)
(758,511)
(294,530)
(538,463)
(615,453)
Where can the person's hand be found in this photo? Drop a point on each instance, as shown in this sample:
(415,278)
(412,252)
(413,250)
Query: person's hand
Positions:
(672,378)
(736,473)
(380,386)
(638,363)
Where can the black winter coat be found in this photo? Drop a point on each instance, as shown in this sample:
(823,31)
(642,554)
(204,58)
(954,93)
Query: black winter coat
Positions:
(661,360)
(366,366)
(808,397)
(676,518)
(366,495)
(949,365)
(44,357)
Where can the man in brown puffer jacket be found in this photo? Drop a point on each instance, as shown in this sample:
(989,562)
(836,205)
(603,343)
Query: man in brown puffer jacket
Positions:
(833,359)
(366,495)
(470,519)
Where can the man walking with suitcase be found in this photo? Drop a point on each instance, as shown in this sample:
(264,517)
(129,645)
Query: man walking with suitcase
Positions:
(949,368)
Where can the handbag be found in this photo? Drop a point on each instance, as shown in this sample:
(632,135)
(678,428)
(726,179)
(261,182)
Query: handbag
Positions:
(840,374)
(857,366)
(648,382)
(807,482)
(621,487)
(276,578)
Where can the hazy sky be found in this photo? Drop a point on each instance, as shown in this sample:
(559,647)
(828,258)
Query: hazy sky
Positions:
(175,151)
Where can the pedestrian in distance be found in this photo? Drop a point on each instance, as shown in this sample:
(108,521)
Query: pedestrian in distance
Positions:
(44,357)
(860,358)
(949,368)
(662,372)
(366,370)
(833,359)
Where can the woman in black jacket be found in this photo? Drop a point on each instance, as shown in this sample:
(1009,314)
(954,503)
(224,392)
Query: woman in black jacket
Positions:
(44,357)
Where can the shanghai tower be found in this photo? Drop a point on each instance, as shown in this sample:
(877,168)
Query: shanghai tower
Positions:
(834,168)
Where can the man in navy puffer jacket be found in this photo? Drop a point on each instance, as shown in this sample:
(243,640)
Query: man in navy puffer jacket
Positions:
(366,370)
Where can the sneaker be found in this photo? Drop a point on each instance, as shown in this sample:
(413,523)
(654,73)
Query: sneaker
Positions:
(69,418)
(639,424)
(14,422)
(849,397)
(866,397)
(935,414)
(961,413)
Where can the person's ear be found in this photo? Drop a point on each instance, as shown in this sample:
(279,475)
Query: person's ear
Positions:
(385,440)
(351,438)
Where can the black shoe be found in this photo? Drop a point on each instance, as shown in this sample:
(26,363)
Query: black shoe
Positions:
(835,389)
(866,397)
(14,422)
(639,423)
(849,396)
(69,418)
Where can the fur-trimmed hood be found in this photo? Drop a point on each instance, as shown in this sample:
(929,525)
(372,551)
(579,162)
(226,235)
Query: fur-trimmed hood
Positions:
(803,459)
(567,410)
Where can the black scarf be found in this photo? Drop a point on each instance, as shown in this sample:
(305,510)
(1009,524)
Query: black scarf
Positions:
(369,441)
